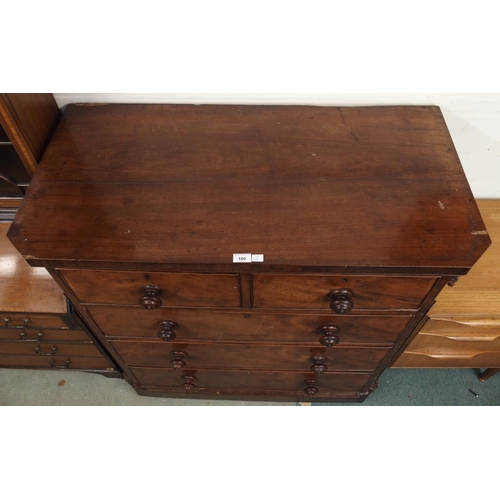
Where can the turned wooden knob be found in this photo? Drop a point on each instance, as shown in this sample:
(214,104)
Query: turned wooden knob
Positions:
(319,366)
(342,301)
(150,297)
(311,389)
(177,363)
(189,385)
(166,332)
(329,339)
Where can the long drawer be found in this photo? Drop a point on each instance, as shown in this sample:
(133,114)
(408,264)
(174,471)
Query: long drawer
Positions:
(191,324)
(165,289)
(320,292)
(38,334)
(240,356)
(49,348)
(192,381)
(56,362)
(31,320)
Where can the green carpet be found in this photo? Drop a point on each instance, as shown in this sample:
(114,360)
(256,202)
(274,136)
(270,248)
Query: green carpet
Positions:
(432,387)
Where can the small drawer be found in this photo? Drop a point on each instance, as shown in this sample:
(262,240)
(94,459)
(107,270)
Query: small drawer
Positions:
(191,324)
(340,294)
(155,290)
(190,381)
(241,356)
(49,349)
(39,334)
(56,362)
(30,320)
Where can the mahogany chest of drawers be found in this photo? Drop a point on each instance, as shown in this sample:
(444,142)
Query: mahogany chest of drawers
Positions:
(251,252)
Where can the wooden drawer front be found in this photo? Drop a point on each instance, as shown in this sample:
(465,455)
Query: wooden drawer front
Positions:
(29,320)
(177,289)
(188,325)
(443,346)
(465,329)
(37,334)
(314,292)
(56,362)
(240,356)
(448,358)
(460,342)
(49,349)
(190,380)
(456,350)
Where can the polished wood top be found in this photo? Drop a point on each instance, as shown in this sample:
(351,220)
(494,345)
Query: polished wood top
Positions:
(478,293)
(308,187)
(26,289)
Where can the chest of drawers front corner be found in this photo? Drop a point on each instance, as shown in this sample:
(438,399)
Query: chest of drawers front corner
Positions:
(341,264)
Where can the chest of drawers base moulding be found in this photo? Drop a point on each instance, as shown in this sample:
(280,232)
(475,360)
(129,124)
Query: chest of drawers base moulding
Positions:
(359,216)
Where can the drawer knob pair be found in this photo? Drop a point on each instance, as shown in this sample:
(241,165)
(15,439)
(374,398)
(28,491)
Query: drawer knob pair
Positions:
(66,365)
(166,332)
(39,351)
(150,297)
(342,301)
(8,322)
(23,336)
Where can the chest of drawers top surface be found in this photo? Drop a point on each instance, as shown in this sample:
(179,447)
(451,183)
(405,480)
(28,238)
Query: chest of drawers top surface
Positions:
(310,188)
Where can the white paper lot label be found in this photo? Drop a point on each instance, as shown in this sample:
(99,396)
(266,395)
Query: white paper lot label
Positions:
(247,258)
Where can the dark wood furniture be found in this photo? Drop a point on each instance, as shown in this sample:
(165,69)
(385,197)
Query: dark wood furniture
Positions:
(251,252)
(38,327)
(26,124)
(463,330)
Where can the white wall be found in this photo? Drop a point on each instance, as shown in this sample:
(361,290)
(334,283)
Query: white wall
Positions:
(473,120)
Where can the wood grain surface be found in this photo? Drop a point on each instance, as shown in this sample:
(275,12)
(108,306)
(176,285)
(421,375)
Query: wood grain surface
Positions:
(304,186)
(26,289)
(478,293)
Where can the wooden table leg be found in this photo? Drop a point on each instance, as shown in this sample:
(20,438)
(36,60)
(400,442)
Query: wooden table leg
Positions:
(490,372)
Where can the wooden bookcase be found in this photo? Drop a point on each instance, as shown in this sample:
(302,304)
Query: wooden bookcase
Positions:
(26,124)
